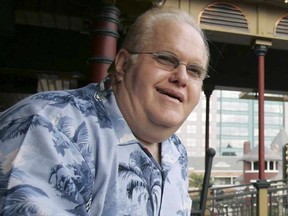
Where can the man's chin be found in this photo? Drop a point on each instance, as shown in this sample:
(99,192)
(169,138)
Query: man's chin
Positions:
(172,124)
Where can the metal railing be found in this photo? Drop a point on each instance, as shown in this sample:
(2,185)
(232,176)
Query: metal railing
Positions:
(242,200)
(278,198)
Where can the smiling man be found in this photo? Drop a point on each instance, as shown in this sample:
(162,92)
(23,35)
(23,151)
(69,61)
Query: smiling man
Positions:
(110,148)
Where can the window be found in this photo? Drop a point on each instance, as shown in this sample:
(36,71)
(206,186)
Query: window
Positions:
(192,116)
(234,118)
(191,129)
(269,165)
(223,180)
(234,130)
(234,106)
(275,107)
(255,165)
(191,142)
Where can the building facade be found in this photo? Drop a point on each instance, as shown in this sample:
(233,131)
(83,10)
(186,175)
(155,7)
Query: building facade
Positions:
(232,122)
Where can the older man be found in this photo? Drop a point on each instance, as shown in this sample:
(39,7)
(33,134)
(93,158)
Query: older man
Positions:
(109,148)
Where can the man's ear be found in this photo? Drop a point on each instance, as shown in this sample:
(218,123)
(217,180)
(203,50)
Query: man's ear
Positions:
(121,63)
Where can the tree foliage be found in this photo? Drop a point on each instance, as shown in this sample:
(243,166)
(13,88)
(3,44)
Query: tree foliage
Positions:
(196,180)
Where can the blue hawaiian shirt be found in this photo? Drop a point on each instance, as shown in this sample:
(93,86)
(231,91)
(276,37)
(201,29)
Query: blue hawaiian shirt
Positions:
(72,153)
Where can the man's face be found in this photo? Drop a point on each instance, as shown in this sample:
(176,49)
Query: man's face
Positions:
(153,97)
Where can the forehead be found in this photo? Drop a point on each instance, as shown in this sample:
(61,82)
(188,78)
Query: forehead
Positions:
(179,38)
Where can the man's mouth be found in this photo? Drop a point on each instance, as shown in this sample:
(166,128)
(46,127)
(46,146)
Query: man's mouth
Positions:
(170,94)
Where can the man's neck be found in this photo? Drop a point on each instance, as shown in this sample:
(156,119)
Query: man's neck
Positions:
(155,151)
(153,148)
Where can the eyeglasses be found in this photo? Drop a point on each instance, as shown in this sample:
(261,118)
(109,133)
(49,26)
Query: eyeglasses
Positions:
(170,62)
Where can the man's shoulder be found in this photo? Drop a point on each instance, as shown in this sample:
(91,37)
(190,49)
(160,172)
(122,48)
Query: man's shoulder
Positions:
(52,102)
(65,96)
(179,145)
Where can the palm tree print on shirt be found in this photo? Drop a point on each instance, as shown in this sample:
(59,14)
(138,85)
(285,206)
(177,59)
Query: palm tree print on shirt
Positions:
(143,180)
(78,101)
(75,187)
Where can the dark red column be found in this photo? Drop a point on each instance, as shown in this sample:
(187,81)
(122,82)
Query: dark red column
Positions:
(261,51)
(104,41)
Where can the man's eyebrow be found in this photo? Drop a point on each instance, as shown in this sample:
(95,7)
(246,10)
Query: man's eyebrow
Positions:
(197,66)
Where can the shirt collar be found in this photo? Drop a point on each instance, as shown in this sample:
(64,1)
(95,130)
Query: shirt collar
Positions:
(105,94)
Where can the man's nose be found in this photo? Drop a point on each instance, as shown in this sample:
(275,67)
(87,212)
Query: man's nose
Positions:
(180,74)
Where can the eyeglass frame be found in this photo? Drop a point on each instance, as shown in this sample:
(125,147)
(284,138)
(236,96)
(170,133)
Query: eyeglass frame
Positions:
(176,65)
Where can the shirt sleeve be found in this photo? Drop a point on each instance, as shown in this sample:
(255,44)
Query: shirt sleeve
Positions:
(43,170)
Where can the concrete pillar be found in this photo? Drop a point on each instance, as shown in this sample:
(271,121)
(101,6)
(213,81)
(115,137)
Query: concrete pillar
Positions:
(262,197)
